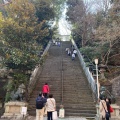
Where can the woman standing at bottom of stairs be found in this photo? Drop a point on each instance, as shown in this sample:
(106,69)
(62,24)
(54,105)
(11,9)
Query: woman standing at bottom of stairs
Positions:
(51,106)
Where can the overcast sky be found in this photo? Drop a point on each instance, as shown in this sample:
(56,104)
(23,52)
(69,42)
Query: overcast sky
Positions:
(64,27)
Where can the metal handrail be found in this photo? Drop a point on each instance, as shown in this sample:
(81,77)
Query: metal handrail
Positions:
(89,76)
(62,74)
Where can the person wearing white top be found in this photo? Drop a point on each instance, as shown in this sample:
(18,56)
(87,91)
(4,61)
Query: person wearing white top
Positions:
(73,56)
(75,52)
(51,106)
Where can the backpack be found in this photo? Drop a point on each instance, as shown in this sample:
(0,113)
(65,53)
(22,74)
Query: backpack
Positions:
(39,102)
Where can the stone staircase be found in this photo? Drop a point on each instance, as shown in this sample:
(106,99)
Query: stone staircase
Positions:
(77,97)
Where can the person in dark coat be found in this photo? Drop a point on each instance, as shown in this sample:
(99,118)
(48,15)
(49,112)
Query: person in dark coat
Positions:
(108,102)
(40,103)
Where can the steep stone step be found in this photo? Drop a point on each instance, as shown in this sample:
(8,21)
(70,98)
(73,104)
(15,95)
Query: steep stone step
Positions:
(80,111)
(81,107)
(82,89)
(79,114)
(78,102)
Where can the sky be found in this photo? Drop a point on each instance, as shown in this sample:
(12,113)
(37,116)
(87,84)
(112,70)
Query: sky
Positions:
(64,27)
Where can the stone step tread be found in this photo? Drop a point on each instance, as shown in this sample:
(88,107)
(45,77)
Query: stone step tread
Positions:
(79,101)
(80,107)
(88,115)
(81,114)
(77,111)
(74,85)
(74,89)
(78,96)
(78,88)
(75,105)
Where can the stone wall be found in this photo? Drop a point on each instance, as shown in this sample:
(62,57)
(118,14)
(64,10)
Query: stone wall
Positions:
(34,78)
(116,87)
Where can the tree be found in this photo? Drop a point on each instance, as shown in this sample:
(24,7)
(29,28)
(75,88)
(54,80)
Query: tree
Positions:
(58,6)
(44,10)
(109,32)
(19,34)
(104,6)
(79,13)
(98,29)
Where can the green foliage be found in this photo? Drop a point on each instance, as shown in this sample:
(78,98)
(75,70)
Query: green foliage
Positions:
(7,97)
(95,51)
(90,52)
(58,6)
(43,57)
(19,34)
(20,78)
(44,11)
(77,38)
(99,32)
(12,86)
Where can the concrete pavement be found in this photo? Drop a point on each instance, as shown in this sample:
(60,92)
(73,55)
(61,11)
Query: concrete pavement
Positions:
(70,118)
(45,118)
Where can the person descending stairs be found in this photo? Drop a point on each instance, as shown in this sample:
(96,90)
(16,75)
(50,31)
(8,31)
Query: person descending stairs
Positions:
(67,83)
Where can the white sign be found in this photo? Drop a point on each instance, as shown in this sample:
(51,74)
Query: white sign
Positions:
(24,111)
(61,113)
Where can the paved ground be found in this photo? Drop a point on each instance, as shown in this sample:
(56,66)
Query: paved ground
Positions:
(80,118)
(45,118)
(70,118)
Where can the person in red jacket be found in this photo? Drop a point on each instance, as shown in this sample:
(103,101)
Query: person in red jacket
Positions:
(45,90)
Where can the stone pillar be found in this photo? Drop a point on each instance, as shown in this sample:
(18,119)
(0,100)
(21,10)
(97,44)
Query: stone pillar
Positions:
(13,108)
(116,112)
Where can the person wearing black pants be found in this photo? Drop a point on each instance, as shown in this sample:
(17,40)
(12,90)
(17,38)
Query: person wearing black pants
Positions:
(108,102)
(49,114)
(103,108)
(51,106)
